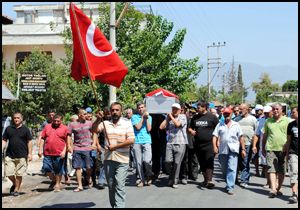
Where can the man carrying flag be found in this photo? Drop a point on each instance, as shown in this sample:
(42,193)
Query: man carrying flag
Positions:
(93,56)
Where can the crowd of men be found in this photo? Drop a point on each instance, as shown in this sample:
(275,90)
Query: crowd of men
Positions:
(101,147)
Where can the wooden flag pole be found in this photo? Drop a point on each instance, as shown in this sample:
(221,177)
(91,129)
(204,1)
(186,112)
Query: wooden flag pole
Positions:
(122,14)
(87,67)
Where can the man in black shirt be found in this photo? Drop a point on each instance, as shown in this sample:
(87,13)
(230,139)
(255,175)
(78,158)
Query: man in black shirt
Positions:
(291,147)
(201,127)
(18,153)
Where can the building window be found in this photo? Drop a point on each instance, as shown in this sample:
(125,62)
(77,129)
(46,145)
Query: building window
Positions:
(58,16)
(28,17)
(20,56)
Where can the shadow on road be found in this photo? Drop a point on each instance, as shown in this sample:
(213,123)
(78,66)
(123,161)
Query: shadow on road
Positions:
(71,205)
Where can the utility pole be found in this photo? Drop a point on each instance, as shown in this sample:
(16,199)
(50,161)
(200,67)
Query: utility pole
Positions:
(211,62)
(112,39)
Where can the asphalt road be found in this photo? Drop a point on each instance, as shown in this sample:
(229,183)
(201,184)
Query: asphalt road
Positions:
(36,195)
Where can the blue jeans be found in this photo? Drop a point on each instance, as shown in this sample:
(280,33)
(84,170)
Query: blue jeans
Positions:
(245,165)
(116,174)
(229,168)
(102,179)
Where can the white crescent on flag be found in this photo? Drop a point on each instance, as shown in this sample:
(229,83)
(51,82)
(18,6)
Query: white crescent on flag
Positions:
(91,45)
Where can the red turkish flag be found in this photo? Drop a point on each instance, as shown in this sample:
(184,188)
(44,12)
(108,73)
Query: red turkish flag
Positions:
(103,62)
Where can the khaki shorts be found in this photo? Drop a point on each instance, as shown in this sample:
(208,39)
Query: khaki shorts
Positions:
(293,168)
(15,167)
(275,162)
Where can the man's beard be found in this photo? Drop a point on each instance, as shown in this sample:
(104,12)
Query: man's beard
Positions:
(115,118)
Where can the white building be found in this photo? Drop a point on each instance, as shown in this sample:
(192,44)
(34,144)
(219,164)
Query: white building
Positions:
(31,29)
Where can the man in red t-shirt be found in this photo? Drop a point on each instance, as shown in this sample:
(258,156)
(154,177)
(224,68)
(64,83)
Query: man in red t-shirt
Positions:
(55,140)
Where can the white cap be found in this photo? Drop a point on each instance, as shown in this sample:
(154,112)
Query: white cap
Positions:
(176,105)
(267,108)
(259,107)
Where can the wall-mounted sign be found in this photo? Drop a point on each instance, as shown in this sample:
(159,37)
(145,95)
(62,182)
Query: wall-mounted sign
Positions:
(33,82)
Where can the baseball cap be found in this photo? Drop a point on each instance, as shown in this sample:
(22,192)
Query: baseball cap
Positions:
(89,110)
(176,105)
(227,110)
(259,107)
(267,109)
(211,105)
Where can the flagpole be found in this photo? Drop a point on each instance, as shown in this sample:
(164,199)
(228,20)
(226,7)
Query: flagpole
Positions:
(112,40)
(87,67)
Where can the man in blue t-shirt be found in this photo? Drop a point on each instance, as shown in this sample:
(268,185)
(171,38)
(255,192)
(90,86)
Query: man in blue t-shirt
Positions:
(142,123)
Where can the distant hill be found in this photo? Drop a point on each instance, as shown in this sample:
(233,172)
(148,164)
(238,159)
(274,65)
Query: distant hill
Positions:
(251,73)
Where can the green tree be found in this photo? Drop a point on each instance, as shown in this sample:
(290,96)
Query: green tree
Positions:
(264,89)
(62,92)
(203,93)
(152,63)
(290,85)
(241,88)
(232,80)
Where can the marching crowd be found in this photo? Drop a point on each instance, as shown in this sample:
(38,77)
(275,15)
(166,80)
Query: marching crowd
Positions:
(101,147)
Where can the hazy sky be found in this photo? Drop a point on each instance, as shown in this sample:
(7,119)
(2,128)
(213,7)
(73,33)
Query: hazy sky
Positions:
(261,33)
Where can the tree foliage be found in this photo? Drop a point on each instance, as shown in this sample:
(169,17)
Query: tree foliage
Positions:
(152,63)
(290,85)
(264,89)
(202,93)
(62,92)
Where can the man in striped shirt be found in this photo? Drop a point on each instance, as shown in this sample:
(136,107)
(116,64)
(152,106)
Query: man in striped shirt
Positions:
(82,146)
(118,138)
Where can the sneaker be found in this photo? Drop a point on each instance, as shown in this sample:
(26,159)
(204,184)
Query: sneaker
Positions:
(230,192)
(101,186)
(184,181)
(175,186)
(138,181)
(210,185)
(244,185)
(293,198)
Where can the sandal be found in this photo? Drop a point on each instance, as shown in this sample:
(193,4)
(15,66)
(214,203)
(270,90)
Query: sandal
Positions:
(272,195)
(90,185)
(78,189)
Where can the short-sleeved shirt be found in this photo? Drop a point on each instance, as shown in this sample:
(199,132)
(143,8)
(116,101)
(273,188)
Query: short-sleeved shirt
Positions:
(117,133)
(18,141)
(276,133)
(142,136)
(82,135)
(44,124)
(292,131)
(177,135)
(260,126)
(55,139)
(248,125)
(229,137)
(204,125)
